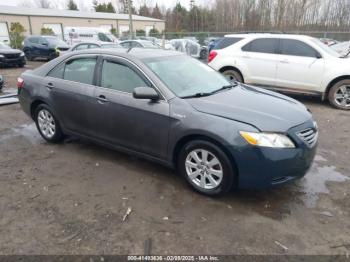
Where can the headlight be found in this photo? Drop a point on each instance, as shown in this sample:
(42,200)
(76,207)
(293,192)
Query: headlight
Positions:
(22,54)
(1,56)
(267,140)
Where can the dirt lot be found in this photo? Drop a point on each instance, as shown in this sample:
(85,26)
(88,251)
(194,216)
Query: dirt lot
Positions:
(70,199)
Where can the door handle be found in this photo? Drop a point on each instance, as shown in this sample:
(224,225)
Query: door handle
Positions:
(285,61)
(49,86)
(102,99)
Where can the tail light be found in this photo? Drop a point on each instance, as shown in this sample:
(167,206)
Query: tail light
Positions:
(212,55)
(20,83)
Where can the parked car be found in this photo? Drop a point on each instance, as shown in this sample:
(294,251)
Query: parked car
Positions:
(90,45)
(342,48)
(76,35)
(287,63)
(1,82)
(10,56)
(190,48)
(170,108)
(138,43)
(328,41)
(48,47)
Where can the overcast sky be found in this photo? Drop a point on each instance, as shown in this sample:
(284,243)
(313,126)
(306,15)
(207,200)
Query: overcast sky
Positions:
(87,3)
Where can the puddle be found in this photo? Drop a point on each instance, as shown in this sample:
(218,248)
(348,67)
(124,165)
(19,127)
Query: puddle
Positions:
(314,183)
(28,131)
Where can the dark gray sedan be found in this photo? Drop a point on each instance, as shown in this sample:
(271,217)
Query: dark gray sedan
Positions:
(170,108)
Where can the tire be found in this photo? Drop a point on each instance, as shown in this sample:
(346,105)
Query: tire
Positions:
(339,95)
(233,75)
(200,175)
(29,56)
(20,65)
(47,124)
(203,54)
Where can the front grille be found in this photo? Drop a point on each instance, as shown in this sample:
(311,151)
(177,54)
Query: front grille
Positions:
(12,56)
(309,136)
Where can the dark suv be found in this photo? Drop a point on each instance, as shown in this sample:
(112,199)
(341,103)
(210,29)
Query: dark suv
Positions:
(9,56)
(44,47)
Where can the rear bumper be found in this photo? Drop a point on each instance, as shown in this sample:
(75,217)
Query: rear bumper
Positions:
(25,101)
(261,168)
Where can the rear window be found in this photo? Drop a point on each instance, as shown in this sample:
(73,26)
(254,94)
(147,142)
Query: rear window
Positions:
(226,41)
(263,45)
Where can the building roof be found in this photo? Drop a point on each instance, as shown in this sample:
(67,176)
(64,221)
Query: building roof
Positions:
(17,10)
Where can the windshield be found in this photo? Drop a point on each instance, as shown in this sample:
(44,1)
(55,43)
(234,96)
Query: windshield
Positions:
(185,76)
(148,44)
(325,48)
(4,46)
(55,41)
(111,46)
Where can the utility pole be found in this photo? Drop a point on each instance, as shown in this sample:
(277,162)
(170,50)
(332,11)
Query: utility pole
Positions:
(131,28)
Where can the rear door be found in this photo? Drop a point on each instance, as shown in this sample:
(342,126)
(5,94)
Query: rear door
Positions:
(260,60)
(120,119)
(71,88)
(300,66)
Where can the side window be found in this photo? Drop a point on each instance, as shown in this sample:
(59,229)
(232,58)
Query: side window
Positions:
(120,77)
(80,70)
(58,71)
(81,47)
(125,44)
(103,37)
(297,48)
(225,42)
(93,46)
(264,45)
(34,40)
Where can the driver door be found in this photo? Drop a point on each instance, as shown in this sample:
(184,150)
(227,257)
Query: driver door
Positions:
(122,120)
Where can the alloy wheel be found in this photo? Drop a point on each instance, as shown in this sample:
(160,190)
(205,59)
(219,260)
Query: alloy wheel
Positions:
(342,96)
(204,169)
(46,123)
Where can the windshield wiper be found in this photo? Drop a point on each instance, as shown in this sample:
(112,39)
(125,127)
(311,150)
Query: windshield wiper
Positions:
(224,88)
(197,95)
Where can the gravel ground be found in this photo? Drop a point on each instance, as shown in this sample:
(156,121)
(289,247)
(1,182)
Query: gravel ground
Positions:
(70,198)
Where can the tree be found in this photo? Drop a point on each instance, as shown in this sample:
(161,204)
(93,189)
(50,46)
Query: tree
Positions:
(140,32)
(43,3)
(154,32)
(144,10)
(46,31)
(72,5)
(16,35)
(103,7)
(156,13)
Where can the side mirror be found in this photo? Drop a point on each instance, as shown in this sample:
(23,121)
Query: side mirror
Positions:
(318,56)
(45,44)
(145,93)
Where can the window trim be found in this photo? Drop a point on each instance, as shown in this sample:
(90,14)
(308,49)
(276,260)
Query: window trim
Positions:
(276,49)
(130,64)
(73,58)
(279,51)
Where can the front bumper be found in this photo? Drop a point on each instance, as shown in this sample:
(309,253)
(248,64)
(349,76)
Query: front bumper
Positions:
(260,167)
(12,61)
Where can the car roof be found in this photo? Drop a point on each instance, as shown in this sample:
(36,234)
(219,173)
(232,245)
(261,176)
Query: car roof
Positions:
(139,53)
(268,35)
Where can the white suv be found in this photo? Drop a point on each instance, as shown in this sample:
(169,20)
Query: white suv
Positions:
(287,63)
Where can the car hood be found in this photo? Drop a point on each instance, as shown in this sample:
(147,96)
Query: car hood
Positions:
(9,51)
(268,111)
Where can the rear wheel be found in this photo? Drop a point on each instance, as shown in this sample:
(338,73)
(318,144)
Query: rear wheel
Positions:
(339,95)
(29,56)
(206,168)
(233,75)
(47,124)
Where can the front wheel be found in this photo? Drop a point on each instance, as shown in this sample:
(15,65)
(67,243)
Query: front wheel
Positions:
(47,124)
(339,95)
(206,168)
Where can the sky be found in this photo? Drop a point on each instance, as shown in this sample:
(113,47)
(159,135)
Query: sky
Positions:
(87,3)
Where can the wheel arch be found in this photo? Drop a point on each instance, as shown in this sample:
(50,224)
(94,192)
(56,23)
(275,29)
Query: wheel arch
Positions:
(232,68)
(34,105)
(332,83)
